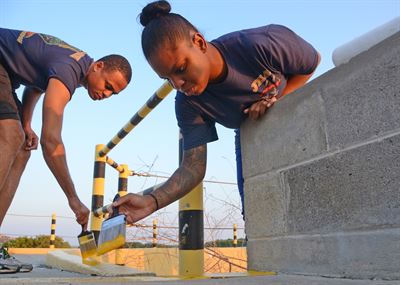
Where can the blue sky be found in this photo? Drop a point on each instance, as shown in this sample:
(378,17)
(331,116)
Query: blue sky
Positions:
(103,27)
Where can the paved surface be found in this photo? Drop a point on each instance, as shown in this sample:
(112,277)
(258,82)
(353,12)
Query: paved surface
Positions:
(44,275)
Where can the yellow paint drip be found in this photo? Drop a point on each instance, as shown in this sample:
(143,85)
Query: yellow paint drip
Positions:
(90,261)
(107,246)
(89,253)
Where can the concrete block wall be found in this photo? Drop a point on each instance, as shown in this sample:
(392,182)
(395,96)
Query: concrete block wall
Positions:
(322,173)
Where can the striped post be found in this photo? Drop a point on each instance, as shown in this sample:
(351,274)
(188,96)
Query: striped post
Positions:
(154,233)
(122,191)
(99,173)
(191,230)
(151,103)
(53,231)
(114,165)
(234,235)
(123,180)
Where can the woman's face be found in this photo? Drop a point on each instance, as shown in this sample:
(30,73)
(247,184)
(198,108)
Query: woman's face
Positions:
(185,65)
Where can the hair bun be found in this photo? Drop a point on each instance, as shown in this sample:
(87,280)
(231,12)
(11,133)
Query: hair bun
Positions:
(153,11)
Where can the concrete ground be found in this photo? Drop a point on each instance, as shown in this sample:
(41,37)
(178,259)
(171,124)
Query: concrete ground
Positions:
(45,275)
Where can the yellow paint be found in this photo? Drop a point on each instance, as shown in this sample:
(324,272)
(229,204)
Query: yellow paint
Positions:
(126,172)
(98,186)
(30,251)
(260,273)
(193,200)
(144,111)
(107,246)
(164,90)
(98,189)
(115,140)
(83,241)
(128,127)
(191,263)
(89,253)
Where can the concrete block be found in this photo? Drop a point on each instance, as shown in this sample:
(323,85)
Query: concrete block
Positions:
(67,260)
(362,98)
(360,255)
(270,218)
(292,131)
(353,189)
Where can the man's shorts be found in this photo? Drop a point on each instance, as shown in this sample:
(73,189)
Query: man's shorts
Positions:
(10,106)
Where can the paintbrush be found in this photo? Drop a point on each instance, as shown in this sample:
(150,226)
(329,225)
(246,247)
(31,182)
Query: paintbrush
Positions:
(113,232)
(87,245)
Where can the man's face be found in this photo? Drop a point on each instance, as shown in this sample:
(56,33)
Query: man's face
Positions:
(102,83)
(184,64)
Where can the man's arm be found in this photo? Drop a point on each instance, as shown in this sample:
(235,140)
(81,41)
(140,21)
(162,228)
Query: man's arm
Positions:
(55,100)
(30,97)
(189,174)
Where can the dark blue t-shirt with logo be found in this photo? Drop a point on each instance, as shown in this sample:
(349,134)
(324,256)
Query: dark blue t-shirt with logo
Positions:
(259,61)
(31,59)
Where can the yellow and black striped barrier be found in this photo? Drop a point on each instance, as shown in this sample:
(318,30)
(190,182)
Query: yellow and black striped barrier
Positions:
(53,231)
(122,191)
(154,233)
(234,235)
(151,103)
(99,173)
(114,165)
(191,230)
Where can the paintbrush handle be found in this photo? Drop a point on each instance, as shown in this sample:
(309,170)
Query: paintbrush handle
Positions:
(102,211)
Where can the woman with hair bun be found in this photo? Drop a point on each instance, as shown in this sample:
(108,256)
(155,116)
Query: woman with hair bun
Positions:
(225,81)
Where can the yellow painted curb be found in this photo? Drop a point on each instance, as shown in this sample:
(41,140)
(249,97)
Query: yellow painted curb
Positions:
(29,250)
(68,261)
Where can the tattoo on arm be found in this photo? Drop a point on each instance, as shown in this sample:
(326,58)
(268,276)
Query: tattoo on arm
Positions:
(189,174)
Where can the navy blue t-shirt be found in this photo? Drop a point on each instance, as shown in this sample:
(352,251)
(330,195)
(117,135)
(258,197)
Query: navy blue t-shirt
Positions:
(258,61)
(31,59)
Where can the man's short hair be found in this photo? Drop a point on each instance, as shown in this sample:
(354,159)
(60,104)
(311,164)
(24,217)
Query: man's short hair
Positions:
(117,62)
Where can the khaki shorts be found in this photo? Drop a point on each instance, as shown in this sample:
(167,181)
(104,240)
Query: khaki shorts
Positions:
(10,106)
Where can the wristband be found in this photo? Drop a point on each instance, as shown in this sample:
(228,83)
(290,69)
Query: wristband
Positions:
(155,199)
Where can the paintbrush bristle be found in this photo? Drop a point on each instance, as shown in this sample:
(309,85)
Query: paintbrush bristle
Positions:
(87,244)
(112,234)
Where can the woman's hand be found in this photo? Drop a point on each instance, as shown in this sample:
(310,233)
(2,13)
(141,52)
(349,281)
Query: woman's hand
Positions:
(259,108)
(135,207)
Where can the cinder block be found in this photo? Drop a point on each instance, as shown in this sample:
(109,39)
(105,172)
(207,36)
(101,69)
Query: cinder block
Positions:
(270,218)
(292,131)
(353,189)
(362,98)
(360,255)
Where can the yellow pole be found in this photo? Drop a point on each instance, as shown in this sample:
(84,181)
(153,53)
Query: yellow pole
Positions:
(122,191)
(155,233)
(191,230)
(234,235)
(99,173)
(53,231)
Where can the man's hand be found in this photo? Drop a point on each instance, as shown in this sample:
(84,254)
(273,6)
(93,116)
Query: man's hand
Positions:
(135,207)
(31,139)
(259,108)
(80,210)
